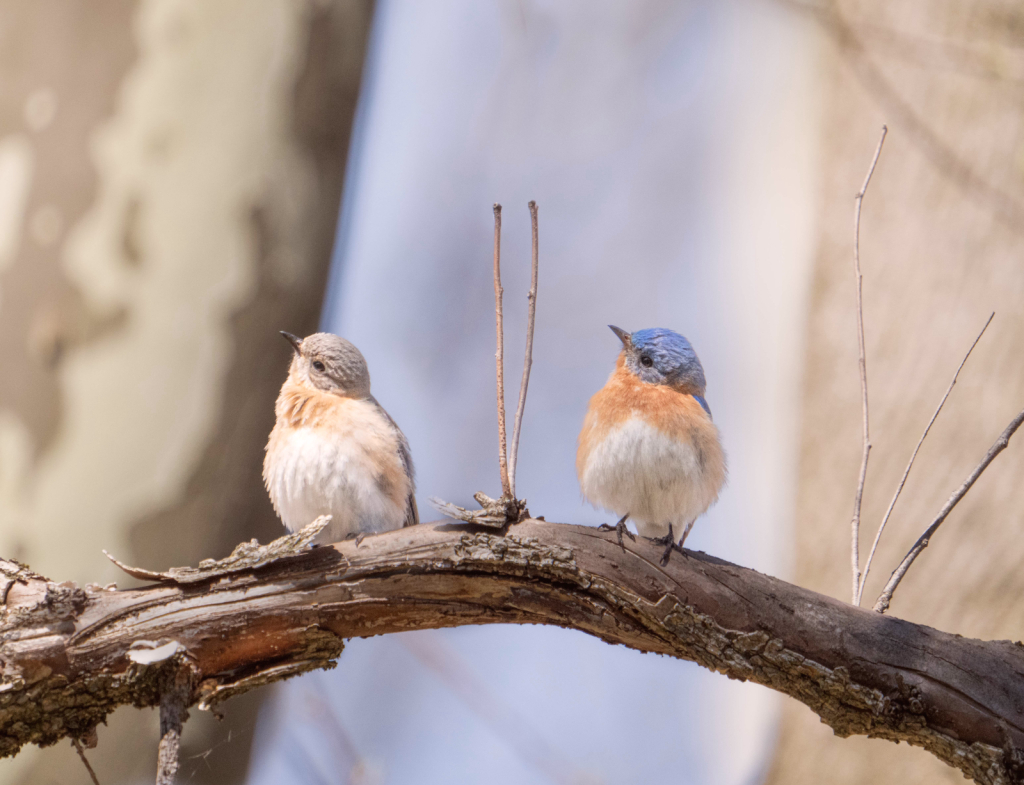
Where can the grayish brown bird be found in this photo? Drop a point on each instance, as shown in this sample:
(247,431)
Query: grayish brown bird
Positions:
(334,450)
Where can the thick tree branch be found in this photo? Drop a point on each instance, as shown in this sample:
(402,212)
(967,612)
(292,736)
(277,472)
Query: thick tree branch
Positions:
(70,656)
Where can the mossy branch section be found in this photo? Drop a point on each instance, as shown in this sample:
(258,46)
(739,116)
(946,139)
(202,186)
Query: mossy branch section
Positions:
(70,655)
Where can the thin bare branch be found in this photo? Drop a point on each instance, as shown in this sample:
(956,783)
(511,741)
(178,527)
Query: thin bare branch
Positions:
(910,464)
(882,604)
(85,761)
(174,703)
(855,523)
(498,513)
(506,488)
(528,361)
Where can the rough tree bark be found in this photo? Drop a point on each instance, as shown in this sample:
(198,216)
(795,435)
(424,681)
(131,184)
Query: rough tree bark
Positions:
(71,655)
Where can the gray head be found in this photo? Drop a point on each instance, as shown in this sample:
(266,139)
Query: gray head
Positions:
(660,356)
(330,363)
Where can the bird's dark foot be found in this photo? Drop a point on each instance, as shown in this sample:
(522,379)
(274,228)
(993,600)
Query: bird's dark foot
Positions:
(620,529)
(357,536)
(669,541)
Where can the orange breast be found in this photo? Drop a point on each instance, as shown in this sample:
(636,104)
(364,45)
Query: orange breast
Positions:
(300,404)
(672,411)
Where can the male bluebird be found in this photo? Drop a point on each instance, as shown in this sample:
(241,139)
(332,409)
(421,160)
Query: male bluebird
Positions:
(334,450)
(648,449)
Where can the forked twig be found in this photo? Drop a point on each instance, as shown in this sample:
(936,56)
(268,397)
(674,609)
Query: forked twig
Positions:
(855,523)
(499,356)
(85,761)
(910,464)
(882,603)
(528,359)
(498,513)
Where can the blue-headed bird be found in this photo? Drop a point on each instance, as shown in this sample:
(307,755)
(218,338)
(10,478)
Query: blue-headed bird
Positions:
(649,450)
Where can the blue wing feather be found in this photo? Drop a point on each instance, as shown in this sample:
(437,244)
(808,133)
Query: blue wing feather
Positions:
(703,403)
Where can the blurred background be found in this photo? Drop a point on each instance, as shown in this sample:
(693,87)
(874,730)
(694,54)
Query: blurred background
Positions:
(180,179)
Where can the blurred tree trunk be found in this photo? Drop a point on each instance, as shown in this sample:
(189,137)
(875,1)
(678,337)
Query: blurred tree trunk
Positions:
(170,178)
(942,239)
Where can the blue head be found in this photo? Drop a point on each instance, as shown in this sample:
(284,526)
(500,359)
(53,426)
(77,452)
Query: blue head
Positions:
(659,356)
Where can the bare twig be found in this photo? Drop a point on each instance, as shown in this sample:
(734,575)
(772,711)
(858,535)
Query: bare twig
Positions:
(498,513)
(855,523)
(174,704)
(81,754)
(499,355)
(882,604)
(910,464)
(528,361)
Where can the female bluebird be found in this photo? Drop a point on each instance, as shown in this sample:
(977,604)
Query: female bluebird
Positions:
(648,449)
(334,450)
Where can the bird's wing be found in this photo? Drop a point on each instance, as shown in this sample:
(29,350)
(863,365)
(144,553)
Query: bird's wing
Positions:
(703,403)
(412,513)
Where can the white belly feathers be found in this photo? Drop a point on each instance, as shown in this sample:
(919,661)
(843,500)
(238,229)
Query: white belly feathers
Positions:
(656,480)
(326,471)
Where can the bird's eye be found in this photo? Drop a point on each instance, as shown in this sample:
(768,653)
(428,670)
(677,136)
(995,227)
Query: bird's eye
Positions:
(646,361)
(318,365)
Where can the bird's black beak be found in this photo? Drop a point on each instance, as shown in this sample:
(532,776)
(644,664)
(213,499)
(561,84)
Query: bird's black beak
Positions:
(623,335)
(294,340)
